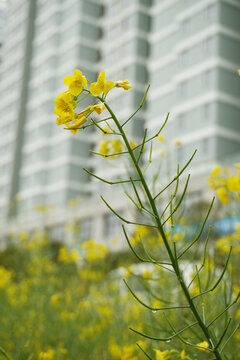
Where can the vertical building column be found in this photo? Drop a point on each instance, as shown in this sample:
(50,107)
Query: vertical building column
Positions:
(14,185)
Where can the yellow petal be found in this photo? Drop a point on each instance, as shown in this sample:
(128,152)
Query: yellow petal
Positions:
(84,81)
(108,85)
(123,84)
(75,88)
(68,80)
(75,127)
(77,73)
(99,108)
(101,78)
(95,89)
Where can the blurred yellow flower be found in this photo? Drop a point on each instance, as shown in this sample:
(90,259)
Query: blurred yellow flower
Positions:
(5,277)
(161,138)
(178,237)
(74,255)
(106,131)
(161,355)
(233,183)
(133,144)
(116,146)
(147,274)
(223,195)
(215,171)
(183,354)
(104,149)
(114,349)
(203,344)
(94,251)
(47,355)
(63,255)
(54,300)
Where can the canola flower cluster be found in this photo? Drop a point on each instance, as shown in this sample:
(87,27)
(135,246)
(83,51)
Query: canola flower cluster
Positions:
(226,185)
(233,239)
(227,188)
(66,103)
(54,293)
(75,291)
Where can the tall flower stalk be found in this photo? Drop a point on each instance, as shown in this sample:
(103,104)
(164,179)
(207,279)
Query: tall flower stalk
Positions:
(146,202)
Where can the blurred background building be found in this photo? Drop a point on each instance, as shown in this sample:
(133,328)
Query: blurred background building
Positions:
(187,50)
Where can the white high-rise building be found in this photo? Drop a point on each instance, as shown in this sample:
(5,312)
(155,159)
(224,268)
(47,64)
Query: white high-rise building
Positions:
(187,50)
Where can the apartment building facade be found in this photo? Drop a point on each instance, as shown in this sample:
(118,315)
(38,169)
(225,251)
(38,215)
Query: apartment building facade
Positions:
(187,50)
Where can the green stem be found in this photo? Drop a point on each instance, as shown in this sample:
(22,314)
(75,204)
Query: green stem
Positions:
(174,263)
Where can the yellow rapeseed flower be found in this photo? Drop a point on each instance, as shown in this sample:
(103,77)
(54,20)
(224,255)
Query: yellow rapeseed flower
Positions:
(101,85)
(63,255)
(74,255)
(178,237)
(104,149)
(123,84)
(223,195)
(5,277)
(106,131)
(203,344)
(114,349)
(75,82)
(54,300)
(233,183)
(183,354)
(64,106)
(116,146)
(74,128)
(133,144)
(98,108)
(128,353)
(215,171)
(161,138)
(161,355)
(147,274)
(47,355)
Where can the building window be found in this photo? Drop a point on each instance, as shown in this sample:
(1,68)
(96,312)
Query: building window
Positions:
(114,31)
(85,229)
(112,225)
(193,198)
(57,233)
(184,57)
(210,12)
(180,154)
(181,121)
(114,7)
(207,78)
(128,22)
(205,146)
(208,45)
(206,111)
(186,26)
(183,88)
